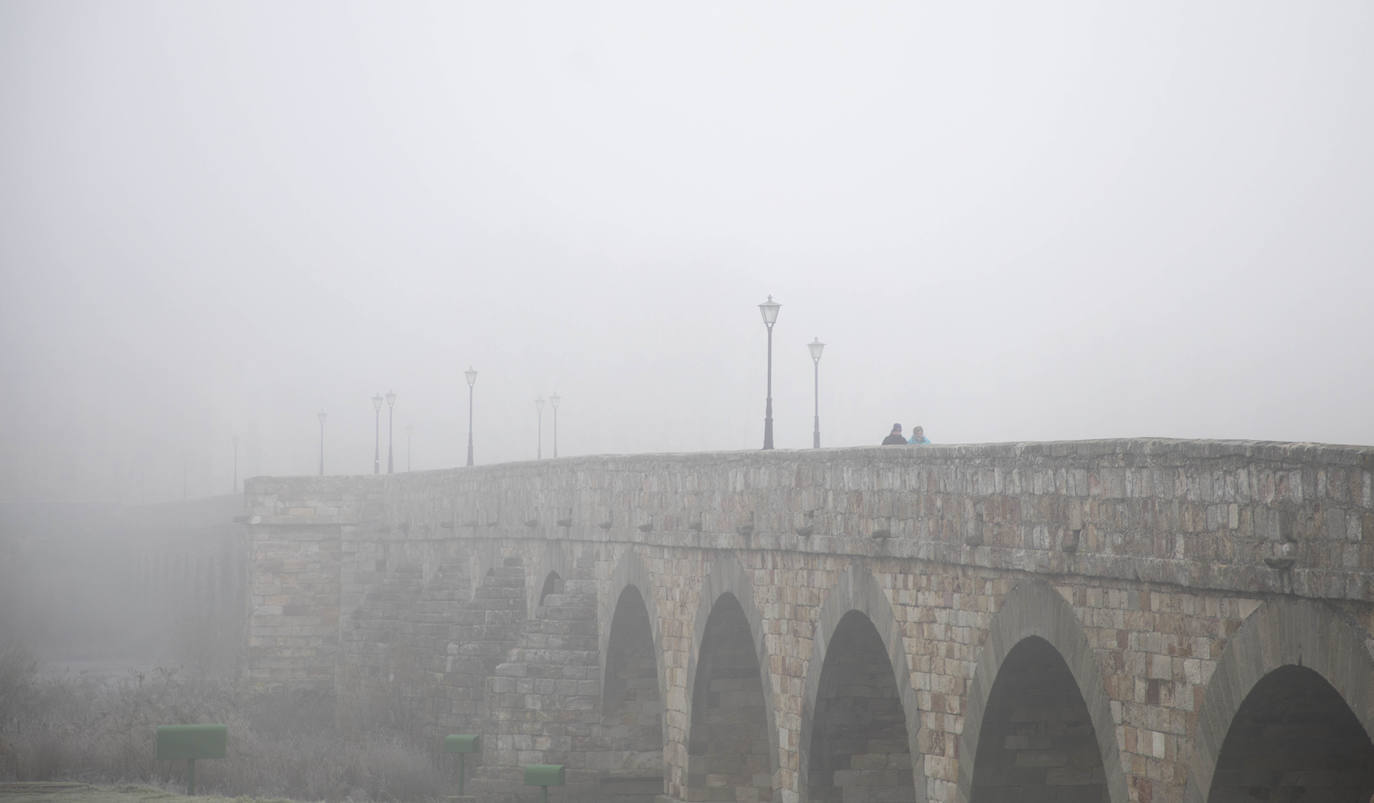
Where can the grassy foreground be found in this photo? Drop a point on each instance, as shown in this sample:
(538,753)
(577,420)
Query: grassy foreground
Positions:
(58,732)
(55,792)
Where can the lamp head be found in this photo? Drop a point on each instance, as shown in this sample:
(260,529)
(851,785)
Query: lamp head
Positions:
(377,402)
(539,404)
(391,398)
(769,309)
(321,414)
(554,400)
(816,347)
(471,376)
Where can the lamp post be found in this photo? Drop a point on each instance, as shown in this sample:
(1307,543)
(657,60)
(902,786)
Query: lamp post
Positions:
(410,434)
(377,434)
(816,347)
(769,309)
(539,450)
(390,429)
(236,465)
(472,380)
(321,415)
(553,402)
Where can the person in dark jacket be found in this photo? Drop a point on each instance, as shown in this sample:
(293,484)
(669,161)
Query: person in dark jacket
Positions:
(894,438)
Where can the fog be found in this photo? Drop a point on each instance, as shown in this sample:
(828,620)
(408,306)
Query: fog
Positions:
(1007,221)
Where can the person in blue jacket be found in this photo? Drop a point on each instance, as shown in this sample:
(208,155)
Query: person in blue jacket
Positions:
(918,437)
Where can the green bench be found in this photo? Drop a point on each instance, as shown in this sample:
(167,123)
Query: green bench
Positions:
(190,742)
(462,744)
(544,775)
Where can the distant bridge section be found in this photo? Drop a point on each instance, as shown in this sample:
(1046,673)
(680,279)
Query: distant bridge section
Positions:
(1129,620)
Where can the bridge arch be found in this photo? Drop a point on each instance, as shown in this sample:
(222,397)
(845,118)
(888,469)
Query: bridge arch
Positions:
(856,593)
(631,683)
(486,557)
(629,572)
(727,640)
(547,571)
(1285,642)
(553,584)
(1036,626)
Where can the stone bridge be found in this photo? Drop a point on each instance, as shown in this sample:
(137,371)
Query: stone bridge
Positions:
(1133,620)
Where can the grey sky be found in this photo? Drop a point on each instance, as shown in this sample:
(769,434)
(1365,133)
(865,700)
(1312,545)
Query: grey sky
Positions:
(1008,220)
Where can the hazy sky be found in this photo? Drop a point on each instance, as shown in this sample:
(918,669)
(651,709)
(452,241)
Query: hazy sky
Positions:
(1007,220)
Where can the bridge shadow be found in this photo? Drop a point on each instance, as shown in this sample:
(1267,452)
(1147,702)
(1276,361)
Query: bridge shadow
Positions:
(1038,726)
(728,748)
(631,711)
(1288,712)
(859,748)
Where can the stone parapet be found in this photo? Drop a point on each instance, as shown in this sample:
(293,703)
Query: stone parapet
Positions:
(1227,515)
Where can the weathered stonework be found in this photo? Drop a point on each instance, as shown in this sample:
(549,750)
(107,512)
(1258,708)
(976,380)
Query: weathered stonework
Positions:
(1140,588)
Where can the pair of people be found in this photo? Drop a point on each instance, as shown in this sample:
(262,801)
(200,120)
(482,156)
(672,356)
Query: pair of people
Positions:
(895,438)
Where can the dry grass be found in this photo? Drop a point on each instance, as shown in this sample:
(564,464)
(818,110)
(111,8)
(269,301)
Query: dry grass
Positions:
(280,745)
(59,792)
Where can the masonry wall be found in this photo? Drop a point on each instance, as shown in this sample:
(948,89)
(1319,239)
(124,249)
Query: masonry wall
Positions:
(1158,552)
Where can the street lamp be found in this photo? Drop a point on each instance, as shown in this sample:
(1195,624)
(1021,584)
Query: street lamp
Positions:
(410,435)
(472,380)
(377,434)
(816,347)
(321,415)
(769,309)
(553,402)
(539,450)
(236,464)
(390,428)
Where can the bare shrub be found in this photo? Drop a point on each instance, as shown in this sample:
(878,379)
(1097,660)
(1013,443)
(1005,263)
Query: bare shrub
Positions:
(281,744)
(326,766)
(17,670)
